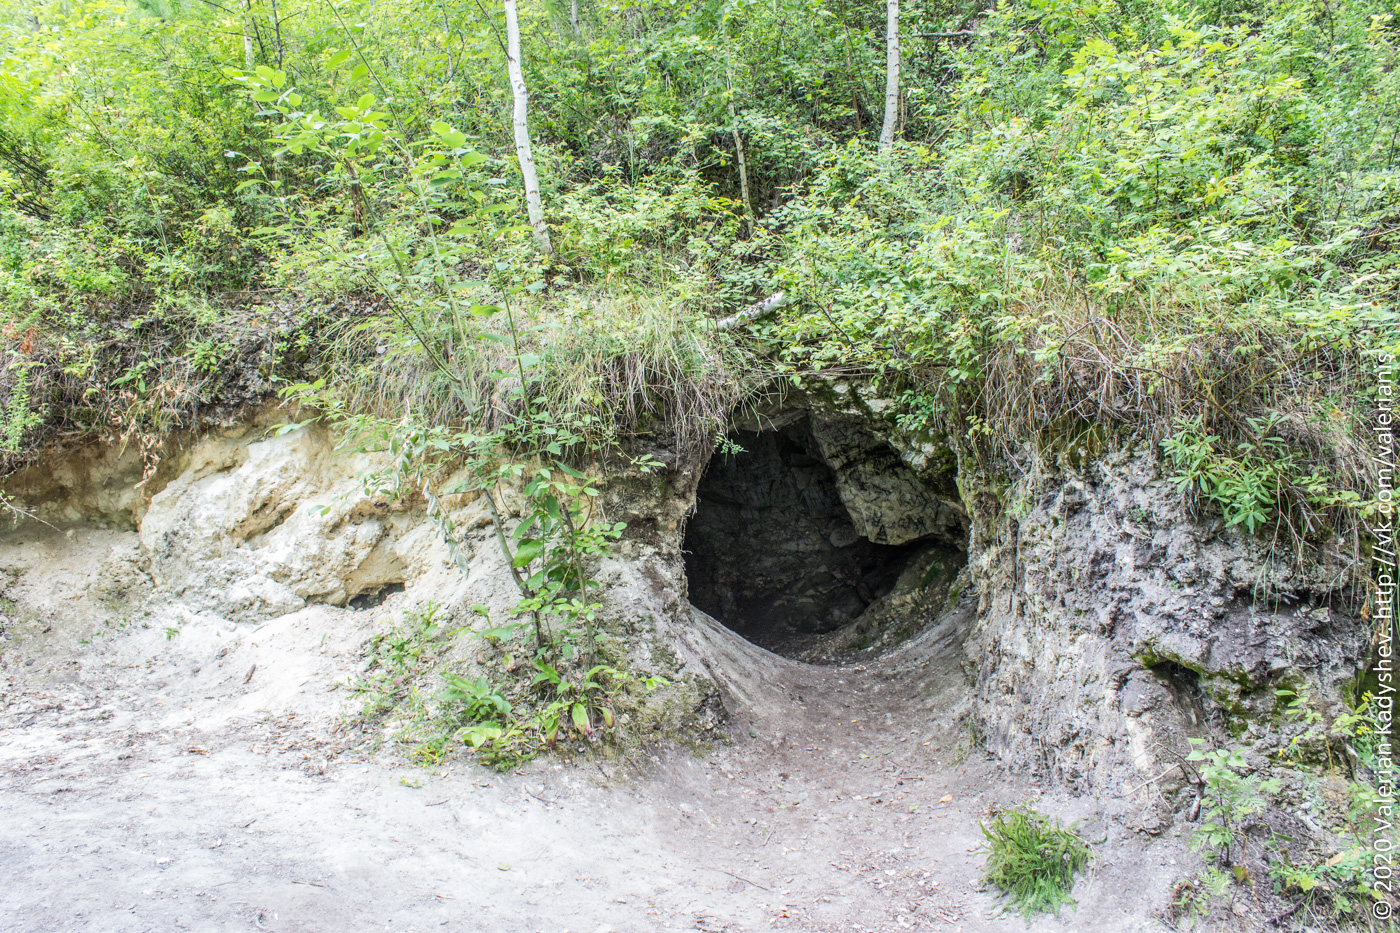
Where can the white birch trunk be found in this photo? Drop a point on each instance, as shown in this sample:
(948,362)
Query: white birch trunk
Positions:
(739,152)
(249,59)
(573,18)
(891,73)
(533,204)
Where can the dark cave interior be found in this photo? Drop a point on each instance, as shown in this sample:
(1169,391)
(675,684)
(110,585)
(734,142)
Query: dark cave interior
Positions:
(772,552)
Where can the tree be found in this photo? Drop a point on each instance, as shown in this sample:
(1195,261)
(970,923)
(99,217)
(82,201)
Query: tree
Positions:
(533,204)
(738,146)
(891,73)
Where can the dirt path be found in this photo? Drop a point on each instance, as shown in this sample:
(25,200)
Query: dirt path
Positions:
(146,784)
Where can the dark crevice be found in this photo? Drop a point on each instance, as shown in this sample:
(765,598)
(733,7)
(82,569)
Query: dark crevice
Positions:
(375,597)
(1185,687)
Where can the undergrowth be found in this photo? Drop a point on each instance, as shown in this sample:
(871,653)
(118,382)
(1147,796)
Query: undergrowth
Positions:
(499,700)
(1167,224)
(1335,874)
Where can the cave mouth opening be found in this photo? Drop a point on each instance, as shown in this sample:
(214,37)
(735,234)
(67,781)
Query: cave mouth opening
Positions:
(773,552)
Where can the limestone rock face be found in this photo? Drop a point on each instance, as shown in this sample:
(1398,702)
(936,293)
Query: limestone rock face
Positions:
(259,529)
(1112,626)
(887,501)
(897,488)
(257,526)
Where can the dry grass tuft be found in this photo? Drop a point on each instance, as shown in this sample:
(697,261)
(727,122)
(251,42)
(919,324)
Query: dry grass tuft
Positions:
(626,365)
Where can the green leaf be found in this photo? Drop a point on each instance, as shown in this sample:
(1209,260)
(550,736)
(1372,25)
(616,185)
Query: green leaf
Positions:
(528,550)
(338,59)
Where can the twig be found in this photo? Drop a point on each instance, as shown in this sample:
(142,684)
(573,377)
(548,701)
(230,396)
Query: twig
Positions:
(1153,780)
(19,513)
(743,879)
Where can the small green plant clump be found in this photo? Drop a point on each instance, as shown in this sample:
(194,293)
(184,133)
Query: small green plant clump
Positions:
(521,705)
(1032,860)
(393,661)
(1230,799)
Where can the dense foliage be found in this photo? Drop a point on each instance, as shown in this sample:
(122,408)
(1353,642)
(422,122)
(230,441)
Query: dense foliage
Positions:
(1170,220)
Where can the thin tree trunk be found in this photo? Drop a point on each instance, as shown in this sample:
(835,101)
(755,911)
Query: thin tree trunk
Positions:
(533,204)
(277,32)
(249,60)
(891,73)
(851,69)
(447,43)
(739,153)
(573,18)
(257,34)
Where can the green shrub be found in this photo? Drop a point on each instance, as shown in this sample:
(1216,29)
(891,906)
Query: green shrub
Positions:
(1032,860)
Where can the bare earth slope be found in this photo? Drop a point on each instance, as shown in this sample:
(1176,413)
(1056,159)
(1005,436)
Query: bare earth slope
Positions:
(158,781)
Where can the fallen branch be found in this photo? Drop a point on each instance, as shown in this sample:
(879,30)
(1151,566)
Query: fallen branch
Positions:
(754,312)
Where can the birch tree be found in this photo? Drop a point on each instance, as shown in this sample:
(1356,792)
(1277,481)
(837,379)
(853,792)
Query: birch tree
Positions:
(891,73)
(533,204)
(738,146)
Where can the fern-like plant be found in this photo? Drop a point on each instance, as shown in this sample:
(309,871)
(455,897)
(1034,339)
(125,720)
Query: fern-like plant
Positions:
(1032,860)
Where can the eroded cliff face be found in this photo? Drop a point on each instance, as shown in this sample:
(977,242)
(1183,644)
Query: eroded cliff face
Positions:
(1094,626)
(1112,627)
(259,537)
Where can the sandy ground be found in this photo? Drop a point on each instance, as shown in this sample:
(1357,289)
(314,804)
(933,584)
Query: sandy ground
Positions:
(157,781)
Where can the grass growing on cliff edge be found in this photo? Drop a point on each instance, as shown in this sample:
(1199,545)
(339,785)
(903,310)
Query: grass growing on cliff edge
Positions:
(1032,860)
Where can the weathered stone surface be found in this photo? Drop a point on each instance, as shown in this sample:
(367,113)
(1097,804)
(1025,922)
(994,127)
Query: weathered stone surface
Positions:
(256,527)
(887,501)
(1112,626)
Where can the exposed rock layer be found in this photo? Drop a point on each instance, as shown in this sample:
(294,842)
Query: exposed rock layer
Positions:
(1110,626)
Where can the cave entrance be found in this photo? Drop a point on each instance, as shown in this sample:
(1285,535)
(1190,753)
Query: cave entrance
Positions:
(775,554)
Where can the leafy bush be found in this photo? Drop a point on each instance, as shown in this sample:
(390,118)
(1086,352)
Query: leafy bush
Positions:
(1230,798)
(1032,860)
